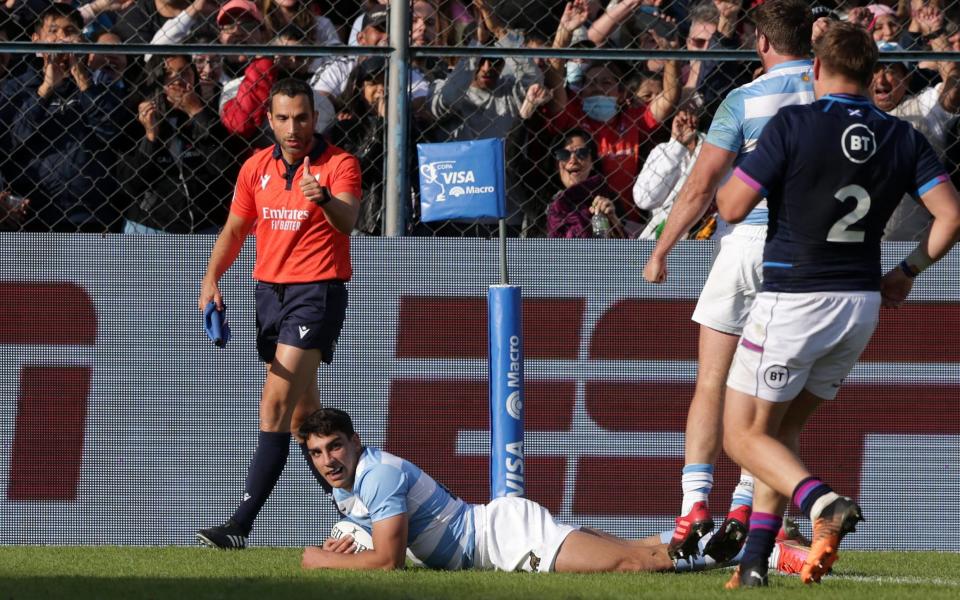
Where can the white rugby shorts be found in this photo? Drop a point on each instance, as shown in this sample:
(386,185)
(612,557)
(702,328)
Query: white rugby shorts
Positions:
(516,534)
(734,280)
(802,341)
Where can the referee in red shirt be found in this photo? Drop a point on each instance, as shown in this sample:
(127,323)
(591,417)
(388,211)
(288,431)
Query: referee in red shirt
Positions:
(304,197)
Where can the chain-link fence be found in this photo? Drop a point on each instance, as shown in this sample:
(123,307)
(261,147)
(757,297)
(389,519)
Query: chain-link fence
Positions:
(124,140)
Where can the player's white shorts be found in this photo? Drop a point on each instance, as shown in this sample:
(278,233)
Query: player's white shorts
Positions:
(802,341)
(734,280)
(516,534)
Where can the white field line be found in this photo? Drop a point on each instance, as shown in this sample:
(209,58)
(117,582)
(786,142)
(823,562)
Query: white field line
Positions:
(933,581)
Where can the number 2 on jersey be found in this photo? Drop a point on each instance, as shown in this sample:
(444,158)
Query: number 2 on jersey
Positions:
(840,231)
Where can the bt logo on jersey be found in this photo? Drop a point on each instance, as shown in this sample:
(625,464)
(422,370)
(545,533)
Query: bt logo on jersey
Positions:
(858,143)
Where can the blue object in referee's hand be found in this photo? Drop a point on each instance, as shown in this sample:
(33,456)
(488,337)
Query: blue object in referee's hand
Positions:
(216,325)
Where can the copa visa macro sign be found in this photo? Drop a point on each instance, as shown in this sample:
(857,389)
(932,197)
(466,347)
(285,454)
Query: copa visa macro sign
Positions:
(462,180)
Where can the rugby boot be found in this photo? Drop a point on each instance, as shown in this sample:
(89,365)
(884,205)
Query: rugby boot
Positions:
(229,536)
(729,538)
(790,557)
(745,576)
(838,518)
(690,528)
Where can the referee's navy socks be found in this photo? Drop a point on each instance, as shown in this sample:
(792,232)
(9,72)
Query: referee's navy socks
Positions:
(313,469)
(266,465)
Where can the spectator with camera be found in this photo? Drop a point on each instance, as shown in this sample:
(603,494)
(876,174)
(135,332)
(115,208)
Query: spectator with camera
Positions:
(485,98)
(180,175)
(62,132)
(713,26)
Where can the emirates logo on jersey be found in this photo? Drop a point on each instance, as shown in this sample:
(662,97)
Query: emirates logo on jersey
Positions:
(284,219)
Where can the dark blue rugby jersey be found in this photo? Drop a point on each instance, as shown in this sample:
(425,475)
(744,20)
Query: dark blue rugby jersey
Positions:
(833,172)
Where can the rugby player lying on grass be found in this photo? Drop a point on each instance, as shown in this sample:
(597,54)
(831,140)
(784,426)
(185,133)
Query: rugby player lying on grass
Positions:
(403,507)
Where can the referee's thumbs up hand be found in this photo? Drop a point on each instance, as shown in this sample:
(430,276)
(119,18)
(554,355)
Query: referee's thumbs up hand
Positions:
(311,189)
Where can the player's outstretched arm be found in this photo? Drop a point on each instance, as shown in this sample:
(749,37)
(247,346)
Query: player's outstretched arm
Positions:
(943,202)
(224,253)
(388,552)
(692,202)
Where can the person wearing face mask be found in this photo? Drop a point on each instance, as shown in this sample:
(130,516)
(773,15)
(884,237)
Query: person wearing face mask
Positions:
(621,129)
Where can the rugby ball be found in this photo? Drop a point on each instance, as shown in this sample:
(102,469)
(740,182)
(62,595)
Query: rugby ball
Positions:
(361,538)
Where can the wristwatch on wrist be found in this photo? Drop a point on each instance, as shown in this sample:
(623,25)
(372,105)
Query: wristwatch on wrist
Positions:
(327,197)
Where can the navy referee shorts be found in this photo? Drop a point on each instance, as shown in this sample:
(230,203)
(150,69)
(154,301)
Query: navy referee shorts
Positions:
(304,315)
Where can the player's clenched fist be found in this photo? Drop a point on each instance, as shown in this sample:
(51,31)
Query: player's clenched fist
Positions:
(311,188)
(655,271)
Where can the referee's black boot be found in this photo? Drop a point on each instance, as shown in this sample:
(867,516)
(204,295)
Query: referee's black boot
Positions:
(229,536)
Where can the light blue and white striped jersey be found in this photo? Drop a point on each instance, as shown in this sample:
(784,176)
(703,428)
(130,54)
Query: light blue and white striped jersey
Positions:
(441,532)
(745,111)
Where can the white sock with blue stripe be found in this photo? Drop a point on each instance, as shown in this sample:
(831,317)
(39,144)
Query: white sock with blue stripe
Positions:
(743,493)
(696,482)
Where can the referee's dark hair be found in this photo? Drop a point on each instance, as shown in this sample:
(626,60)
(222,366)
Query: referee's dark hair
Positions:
(787,24)
(327,421)
(292,88)
(848,50)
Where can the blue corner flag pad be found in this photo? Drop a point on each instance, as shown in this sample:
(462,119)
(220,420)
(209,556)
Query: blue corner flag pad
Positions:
(462,180)
(216,325)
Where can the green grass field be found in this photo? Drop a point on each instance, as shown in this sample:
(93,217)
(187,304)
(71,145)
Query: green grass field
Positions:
(270,574)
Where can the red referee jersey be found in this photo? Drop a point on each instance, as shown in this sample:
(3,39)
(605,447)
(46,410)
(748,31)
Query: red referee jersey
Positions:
(295,242)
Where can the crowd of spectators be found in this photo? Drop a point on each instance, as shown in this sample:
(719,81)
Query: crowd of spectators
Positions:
(121,143)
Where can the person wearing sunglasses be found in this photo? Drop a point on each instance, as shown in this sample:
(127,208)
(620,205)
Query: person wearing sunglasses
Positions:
(585,192)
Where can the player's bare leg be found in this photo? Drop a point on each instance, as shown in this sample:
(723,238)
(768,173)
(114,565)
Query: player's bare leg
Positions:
(702,443)
(650,540)
(748,423)
(584,552)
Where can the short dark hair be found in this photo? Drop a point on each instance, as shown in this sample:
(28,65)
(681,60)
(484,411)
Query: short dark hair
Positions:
(327,421)
(292,31)
(584,135)
(847,49)
(611,65)
(291,88)
(55,11)
(787,24)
